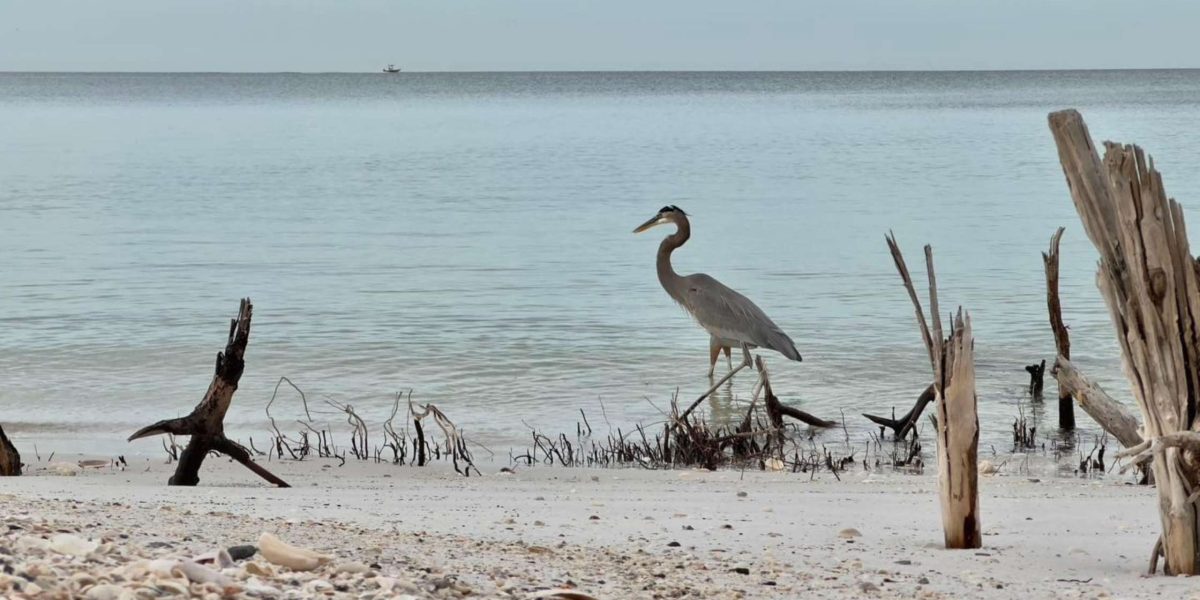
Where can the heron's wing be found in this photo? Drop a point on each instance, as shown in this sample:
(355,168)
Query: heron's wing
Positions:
(732,316)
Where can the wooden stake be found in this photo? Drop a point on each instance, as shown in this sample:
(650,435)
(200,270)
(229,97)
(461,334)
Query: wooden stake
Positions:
(953,362)
(1148,278)
(206,423)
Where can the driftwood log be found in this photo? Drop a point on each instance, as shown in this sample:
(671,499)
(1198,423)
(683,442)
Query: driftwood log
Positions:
(10,459)
(206,423)
(1148,278)
(1062,341)
(908,423)
(953,362)
(1108,413)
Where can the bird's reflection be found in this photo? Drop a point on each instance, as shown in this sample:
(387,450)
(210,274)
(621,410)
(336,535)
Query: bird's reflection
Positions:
(724,409)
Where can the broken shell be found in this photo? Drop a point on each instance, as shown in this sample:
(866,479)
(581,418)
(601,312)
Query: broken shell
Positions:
(219,558)
(278,552)
(31,544)
(203,575)
(254,568)
(173,586)
(105,591)
(63,469)
(353,568)
(66,543)
(563,594)
(162,567)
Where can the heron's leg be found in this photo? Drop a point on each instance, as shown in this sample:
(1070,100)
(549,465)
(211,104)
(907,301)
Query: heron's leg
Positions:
(746,362)
(714,351)
(728,357)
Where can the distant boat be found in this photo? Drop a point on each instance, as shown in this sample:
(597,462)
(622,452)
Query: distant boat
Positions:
(391,69)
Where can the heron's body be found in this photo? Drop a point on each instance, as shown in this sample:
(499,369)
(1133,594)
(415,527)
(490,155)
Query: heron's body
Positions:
(729,317)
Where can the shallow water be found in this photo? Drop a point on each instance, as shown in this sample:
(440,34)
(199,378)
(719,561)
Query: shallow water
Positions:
(467,236)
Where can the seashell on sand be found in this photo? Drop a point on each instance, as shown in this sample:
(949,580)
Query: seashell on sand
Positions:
(73,545)
(278,552)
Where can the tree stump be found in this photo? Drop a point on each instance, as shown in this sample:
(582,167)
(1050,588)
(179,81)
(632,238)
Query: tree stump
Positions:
(10,459)
(206,423)
(1148,277)
(953,362)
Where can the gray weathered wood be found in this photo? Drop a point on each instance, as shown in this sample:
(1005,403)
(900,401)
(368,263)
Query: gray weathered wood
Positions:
(1106,412)
(206,423)
(1062,340)
(1147,275)
(902,426)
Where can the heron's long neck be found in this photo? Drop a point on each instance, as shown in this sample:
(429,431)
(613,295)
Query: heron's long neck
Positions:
(670,280)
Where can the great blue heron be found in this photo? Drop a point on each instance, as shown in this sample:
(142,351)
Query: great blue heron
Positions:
(730,318)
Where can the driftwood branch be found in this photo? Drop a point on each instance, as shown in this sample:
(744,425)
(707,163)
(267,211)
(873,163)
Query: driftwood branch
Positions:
(206,423)
(1062,340)
(1106,412)
(1186,440)
(776,410)
(10,459)
(908,423)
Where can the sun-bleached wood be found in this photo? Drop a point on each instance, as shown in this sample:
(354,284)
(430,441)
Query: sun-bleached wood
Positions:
(956,404)
(1148,278)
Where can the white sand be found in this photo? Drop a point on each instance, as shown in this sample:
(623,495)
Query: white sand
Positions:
(515,533)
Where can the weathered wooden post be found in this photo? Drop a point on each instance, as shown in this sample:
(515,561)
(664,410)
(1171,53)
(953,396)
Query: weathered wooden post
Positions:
(953,362)
(1062,341)
(206,423)
(10,459)
(1148,277)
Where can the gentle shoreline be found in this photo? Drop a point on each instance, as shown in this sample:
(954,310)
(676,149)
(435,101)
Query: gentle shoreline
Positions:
(612,532)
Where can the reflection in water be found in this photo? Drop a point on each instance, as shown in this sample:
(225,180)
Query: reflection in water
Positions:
(727,408)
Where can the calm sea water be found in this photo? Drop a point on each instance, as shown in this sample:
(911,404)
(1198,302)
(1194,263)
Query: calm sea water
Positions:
(467,236)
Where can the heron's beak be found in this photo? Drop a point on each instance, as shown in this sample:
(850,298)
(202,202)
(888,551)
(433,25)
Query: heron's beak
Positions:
(655,220)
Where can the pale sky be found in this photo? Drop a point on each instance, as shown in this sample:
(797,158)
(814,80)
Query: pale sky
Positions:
(518,35)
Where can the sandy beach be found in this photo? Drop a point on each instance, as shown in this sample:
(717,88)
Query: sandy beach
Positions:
(609,533)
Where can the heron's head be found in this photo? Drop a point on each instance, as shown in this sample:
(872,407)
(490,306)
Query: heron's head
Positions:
(668,214)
